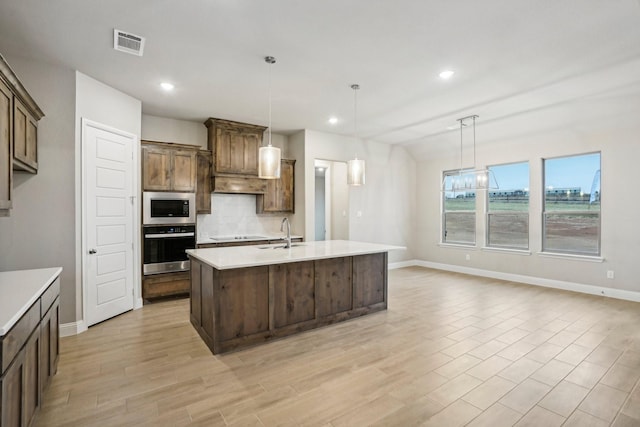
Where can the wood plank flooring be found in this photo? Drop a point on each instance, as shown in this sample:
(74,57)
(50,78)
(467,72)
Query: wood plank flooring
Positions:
(451,350)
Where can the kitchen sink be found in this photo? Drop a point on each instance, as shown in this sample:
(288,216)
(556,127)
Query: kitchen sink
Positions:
(293,245)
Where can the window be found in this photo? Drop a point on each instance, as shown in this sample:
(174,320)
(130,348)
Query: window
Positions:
(508,207)
(459,211)
(571,217)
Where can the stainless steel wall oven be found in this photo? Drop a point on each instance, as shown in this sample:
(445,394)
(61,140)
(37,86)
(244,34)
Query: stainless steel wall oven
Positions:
(168,231)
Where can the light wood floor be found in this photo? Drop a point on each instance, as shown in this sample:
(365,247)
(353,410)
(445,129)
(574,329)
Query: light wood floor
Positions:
(451,350)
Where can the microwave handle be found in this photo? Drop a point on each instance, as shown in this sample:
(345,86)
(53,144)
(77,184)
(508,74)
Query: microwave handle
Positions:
(162,235)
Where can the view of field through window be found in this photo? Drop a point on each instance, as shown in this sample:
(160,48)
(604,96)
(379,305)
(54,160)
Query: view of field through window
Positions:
(571,209)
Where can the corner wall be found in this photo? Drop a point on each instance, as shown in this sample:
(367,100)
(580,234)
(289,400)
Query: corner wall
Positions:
(41,229)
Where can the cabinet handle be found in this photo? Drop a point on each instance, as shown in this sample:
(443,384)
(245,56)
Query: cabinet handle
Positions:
(92,251)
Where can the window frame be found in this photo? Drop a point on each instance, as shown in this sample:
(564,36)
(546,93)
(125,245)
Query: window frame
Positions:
(444,212)
(544,212)
(488,213)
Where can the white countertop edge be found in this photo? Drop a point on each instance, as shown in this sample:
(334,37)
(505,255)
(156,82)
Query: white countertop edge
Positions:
(52,273)
(374,248)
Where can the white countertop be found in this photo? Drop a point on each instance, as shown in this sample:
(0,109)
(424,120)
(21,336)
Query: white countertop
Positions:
(20,289)
(251,256)
(250,238)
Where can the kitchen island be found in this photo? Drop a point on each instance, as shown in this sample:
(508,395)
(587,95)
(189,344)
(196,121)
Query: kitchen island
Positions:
(241,296)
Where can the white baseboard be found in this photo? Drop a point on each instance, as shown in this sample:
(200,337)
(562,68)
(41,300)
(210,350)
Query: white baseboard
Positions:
(73,328)
(401,264)
(138,303)
(529,280)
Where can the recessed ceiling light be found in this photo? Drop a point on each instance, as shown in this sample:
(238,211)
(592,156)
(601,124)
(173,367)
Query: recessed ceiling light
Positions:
(166,86)
(446,74)
(333,120)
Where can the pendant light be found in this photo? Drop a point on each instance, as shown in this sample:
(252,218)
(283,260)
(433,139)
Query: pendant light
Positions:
(269,156)
(466,179)
(355,167)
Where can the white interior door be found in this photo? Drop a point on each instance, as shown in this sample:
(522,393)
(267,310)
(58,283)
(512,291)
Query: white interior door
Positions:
(108,221)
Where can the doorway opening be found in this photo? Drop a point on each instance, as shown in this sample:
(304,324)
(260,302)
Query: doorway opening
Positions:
(331,200)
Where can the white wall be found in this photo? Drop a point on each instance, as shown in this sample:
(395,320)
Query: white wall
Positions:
(103,104)
(162,129)
(41,229)
(386,202)
(619,143)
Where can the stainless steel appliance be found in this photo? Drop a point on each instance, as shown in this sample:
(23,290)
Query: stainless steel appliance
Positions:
(165,246)
(160,208)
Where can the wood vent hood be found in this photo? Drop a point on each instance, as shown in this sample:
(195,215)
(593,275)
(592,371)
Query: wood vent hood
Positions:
(234,147)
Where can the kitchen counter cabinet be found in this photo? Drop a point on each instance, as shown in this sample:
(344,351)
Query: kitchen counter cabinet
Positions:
(165,284)
(29,341)
(246,296)
(279,194)
(168,167)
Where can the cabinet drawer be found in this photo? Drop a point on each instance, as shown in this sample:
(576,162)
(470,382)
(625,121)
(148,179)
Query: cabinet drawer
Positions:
(49,296)
(17,336)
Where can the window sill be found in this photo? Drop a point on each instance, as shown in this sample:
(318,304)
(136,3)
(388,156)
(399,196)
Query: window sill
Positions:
(507,250)
(588,258)
(471,246)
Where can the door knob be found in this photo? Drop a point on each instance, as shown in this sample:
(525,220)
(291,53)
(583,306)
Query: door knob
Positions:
(92,251)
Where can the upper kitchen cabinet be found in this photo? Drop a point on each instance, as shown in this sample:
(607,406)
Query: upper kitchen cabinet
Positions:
(6,134)
(25,138)
(235,147)
(279,194)
(19,115)
(203,184)
(168,167)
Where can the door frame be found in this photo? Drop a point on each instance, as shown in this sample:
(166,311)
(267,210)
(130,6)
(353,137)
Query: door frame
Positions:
(135,185)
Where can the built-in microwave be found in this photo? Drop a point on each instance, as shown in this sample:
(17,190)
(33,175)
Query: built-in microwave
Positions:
(159,208)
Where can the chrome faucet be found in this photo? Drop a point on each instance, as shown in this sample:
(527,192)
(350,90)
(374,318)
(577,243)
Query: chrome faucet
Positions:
(288,238)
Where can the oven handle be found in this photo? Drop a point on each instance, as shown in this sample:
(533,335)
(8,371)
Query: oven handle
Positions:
(162,235)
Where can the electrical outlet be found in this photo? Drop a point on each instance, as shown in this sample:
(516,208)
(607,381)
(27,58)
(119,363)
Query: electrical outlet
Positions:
(467,257)
(610,274)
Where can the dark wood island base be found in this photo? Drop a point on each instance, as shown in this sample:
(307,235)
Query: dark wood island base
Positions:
(240,307)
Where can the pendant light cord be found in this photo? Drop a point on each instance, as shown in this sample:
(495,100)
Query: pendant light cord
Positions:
(269,60)
(355,88)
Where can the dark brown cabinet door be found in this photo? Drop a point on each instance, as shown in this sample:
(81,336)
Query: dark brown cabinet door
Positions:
(49,344)
(237,151)
(6,148)
(369,279)
(203,183)
(279,194)
(25,138)
(31,378)
(183,171)
(293,293)
(156,164)
(11,393)
(244,301)
(333,286)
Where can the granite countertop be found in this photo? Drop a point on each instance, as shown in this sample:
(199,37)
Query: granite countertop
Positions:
(19,290)
(243,238)
(250,256)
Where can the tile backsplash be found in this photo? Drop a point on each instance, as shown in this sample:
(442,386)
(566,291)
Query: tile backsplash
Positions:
(235,214)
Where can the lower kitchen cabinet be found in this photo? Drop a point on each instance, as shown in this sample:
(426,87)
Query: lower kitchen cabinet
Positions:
(29,350)
(165,284)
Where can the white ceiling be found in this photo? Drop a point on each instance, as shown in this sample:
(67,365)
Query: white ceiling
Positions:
(520,64)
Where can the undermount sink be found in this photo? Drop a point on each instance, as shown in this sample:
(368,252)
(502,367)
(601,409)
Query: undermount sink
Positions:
(293,245)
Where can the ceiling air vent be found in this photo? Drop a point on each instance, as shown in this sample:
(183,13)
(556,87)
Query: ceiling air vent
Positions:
(127,42)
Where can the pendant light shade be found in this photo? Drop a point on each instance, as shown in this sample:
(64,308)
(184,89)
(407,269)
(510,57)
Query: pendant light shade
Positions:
(470,179)
(269,156)
(355,167)
(355,172)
